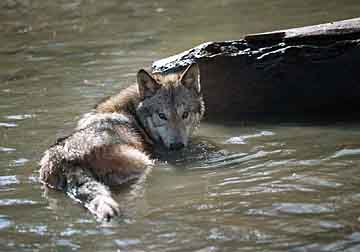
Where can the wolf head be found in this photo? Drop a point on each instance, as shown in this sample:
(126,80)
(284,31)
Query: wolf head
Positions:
(171,106)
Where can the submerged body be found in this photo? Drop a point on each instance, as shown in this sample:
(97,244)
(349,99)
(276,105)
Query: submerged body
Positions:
(112,144)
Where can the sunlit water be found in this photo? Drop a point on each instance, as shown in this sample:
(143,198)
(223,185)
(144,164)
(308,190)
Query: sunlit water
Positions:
(240,187)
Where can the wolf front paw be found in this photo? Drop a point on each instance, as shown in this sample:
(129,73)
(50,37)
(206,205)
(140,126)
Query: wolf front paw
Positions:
(104,207)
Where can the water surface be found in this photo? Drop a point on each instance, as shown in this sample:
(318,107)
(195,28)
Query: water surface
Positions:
(241,187)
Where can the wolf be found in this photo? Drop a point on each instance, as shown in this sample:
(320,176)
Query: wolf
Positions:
(112,145)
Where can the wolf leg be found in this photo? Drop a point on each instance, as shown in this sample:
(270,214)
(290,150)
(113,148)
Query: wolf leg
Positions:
(51,168)
(93,195)
(119,163)
(88,161)
(58,170)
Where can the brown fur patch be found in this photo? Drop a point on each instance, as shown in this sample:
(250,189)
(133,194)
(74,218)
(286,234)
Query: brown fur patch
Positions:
(129,98)
(132,138)
(116,164)
(50,173)
(120,102)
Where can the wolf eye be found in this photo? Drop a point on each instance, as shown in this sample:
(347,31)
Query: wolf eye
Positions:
(162,116)
(185,115)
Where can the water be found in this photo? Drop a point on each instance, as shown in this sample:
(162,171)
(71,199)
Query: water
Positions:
(258,187)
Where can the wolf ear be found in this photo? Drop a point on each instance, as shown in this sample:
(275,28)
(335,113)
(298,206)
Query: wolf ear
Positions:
(146,84)
(190,78)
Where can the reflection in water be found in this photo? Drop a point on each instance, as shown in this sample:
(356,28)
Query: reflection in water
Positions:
(257,188)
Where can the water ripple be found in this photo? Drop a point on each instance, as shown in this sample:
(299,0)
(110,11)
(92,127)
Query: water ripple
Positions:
(272,187)
(6,149)
(241,139)
(127,242)
(234,159)
(345,152)
(67,243)
(19,162)
(4,222)
(330,225)
(293,208)
(313,180)
(16,202)
(303,208)
(8,125)
(20,117)
(351,243)
(8,180)
(37,229)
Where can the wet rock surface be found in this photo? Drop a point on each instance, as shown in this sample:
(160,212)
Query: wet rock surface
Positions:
(303,72)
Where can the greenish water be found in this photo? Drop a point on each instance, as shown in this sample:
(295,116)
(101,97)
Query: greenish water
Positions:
(266,187)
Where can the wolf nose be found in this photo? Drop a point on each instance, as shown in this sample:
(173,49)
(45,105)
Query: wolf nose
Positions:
(176,146)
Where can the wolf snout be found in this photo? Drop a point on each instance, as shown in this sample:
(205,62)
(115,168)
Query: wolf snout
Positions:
(176,146)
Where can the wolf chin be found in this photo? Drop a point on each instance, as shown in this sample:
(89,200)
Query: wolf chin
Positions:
(111,145)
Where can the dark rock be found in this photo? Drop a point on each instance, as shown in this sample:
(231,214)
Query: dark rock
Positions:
(303,72)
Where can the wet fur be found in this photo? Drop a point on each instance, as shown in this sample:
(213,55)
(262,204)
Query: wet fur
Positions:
(110,146)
